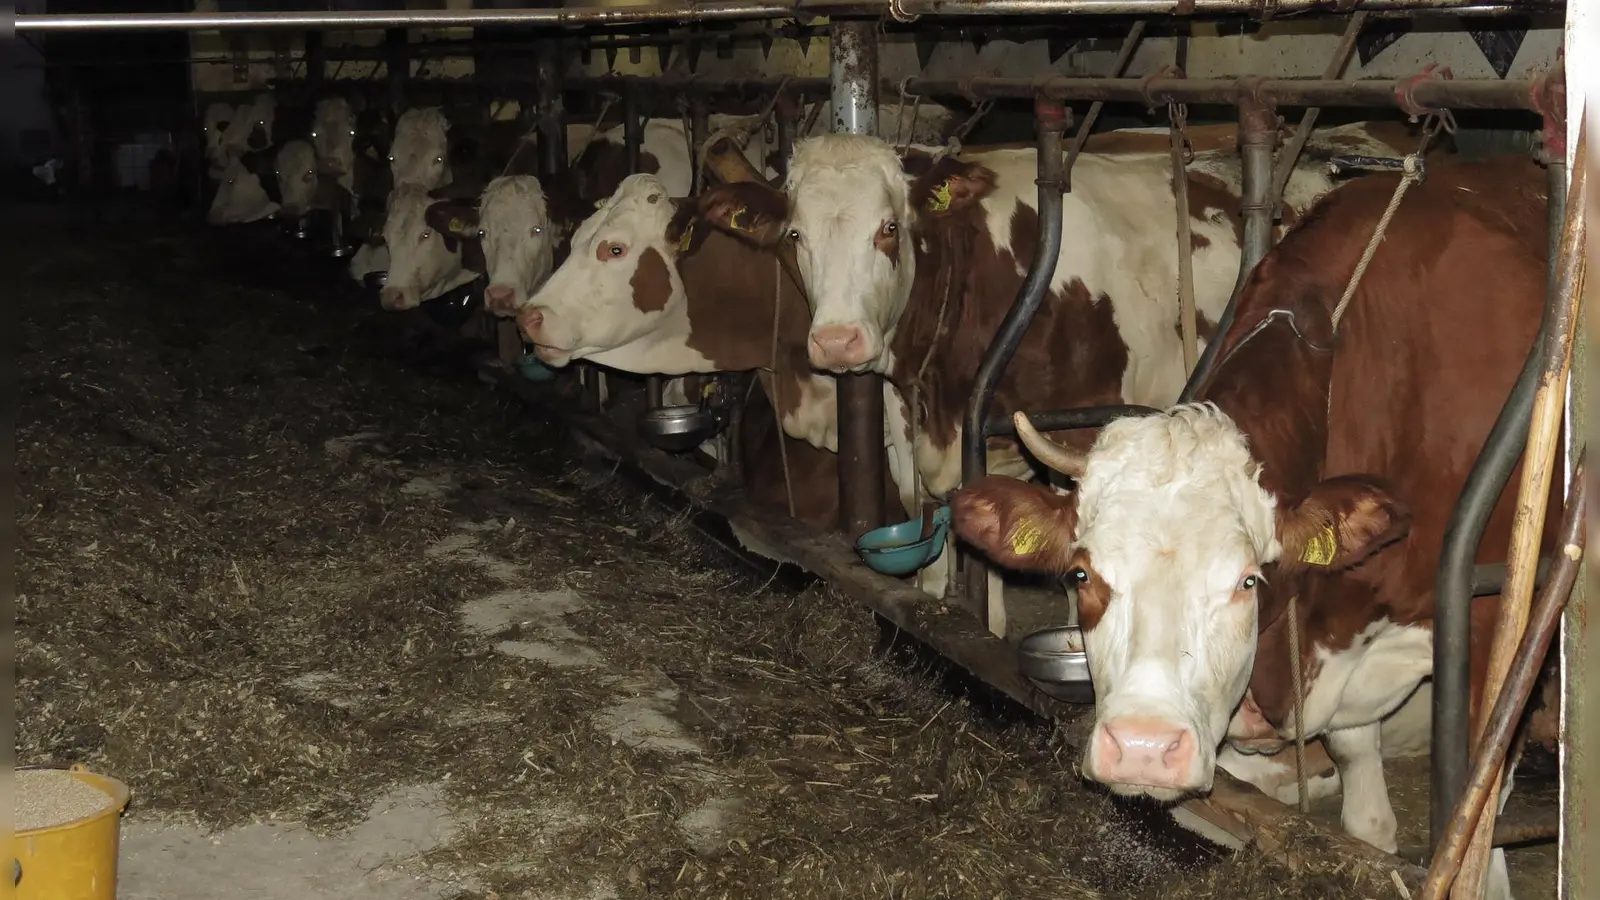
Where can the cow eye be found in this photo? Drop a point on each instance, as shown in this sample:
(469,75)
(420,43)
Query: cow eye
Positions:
(538,230)
(794,235)
(1078,576)
(1250,582)
(482,234)
(352,132)
(438,159)
(313,134)
(425,235)
(890,227)
(391,158)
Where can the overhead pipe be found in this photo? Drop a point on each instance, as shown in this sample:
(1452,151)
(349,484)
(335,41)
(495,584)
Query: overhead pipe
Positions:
(1453,583)
(1051,121)
(736,10)
(853,73)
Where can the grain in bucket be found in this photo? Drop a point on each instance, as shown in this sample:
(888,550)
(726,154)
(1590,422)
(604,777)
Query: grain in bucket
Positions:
(68,824)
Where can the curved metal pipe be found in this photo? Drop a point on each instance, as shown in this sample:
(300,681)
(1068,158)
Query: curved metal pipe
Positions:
(1453,585)
(1053,119)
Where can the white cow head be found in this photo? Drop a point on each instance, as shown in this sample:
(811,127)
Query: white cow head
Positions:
(218,117)
(333,133)
(616,284)
(421,150)
(251,126)
(1169,540)
(846,207)
(296,169)
(240,197)
(425,251)
(512,222)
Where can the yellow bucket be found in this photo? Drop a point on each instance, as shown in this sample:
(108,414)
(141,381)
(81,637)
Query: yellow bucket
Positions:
(75,860)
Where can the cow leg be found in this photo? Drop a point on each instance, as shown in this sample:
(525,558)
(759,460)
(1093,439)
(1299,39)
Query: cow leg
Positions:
(1274,775)
(1366,812)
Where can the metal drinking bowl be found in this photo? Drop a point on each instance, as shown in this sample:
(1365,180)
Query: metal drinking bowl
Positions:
(677,428)
(1054,660)
(375,280)
(533,368)
(901,549)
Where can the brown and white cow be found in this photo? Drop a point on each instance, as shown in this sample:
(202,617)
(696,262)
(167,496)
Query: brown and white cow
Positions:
(1316,465)
(430,254)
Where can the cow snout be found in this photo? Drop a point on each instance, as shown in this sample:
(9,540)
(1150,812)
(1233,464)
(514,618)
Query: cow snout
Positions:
(502,299)
(392,298)
(531,321)
(839,347)
(1145,752)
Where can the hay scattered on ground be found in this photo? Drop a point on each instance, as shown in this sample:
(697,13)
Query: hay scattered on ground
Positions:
(228,490)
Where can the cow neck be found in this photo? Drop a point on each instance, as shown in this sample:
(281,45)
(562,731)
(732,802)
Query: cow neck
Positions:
(730,290)
(942,253)
(1273,383)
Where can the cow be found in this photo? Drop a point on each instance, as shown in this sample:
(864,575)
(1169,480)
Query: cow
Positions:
(512,223)
(911,264)
(1316,471)
(295,172)
(429,255)
(218,117)
(333,133)
(420,153)
(244,192)
(251,127)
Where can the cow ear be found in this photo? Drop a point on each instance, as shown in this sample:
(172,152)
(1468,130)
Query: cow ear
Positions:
(1342,522)
(682,235)
(951,185)
(750,210)
(454,218)
(1020,525)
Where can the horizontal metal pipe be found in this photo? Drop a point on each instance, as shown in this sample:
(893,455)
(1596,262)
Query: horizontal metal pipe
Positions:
(733,10)
(1433,94)
(1489,579)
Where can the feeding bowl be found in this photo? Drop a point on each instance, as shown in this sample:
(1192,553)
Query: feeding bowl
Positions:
(375,281)
(901,549)
(73,851)
(454,308)
(533,368)
(342,251)
(677,428)
(1055,661)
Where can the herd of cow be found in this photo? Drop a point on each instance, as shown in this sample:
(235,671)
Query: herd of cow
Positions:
(1320,461)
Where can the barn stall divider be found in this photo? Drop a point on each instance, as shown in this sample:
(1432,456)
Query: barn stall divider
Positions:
(1235,813)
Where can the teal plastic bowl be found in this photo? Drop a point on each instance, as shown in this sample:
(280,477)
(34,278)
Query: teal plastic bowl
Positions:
(533,368)
(896,550)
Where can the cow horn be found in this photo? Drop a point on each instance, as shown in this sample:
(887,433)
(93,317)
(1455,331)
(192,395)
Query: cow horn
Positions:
(1061,458)
(723,157)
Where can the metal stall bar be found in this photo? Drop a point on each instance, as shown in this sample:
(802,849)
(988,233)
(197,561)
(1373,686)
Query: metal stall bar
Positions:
(1052,119)
(853,73)
(733,10)
(1372,92)
(1453,585)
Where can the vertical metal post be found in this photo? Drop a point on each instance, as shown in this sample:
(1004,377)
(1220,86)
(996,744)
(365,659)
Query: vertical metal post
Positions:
(786,119)
(853,77)
(552,111)
(1258,138)
(1052,119)
(316,64)
(398,61)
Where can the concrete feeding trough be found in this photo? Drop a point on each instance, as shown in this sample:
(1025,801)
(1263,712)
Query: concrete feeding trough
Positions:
(68,828)
(907,547)
(1055,661)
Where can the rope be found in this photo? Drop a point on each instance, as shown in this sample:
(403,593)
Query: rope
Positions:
(604,108)
(914,414)
(1412,175)
(1298,677)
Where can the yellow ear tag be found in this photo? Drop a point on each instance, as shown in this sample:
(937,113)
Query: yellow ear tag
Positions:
(941,197)
(683,242)
(1026,538)
(733,220)
(457,226)
(1321,548)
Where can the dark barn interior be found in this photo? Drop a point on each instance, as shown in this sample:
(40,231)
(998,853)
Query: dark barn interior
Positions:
(376,538)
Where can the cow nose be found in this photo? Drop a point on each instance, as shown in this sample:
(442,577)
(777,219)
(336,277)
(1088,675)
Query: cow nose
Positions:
(838,347)
(501,298)
(1138,750)
(391,298)
(531,320)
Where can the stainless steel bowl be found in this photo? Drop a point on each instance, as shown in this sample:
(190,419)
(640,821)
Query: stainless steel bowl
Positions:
(1054,660)
(677,428)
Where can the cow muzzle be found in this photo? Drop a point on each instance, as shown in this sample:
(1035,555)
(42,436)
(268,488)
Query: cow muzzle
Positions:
(502,300)
(1146,755)
(840,348)
(394,299)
